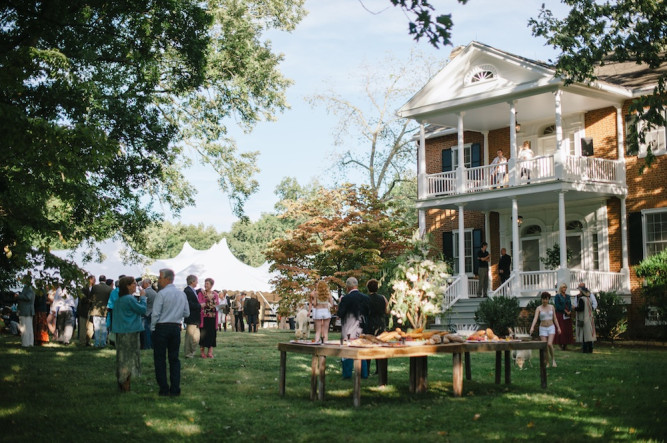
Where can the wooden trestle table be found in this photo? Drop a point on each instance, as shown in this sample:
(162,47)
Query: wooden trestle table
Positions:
(418,362)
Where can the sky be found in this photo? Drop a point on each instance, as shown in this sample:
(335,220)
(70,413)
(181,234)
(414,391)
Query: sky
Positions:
(326,52)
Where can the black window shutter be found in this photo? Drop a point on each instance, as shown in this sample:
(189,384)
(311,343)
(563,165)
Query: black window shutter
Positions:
(475,155)
(448,246)
(446,160)
(587,146)
(635,238)
(476,246)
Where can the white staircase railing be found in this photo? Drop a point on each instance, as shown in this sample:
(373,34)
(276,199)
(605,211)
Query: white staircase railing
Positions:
(453,293)
(506,289)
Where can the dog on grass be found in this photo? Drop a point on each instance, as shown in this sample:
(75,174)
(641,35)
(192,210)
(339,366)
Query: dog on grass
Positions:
(522,358)
(302,324)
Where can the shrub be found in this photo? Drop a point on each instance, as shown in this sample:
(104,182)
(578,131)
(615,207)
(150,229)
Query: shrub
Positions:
(610,319)
(499,314)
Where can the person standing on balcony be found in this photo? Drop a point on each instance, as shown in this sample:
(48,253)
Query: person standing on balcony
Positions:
(504,266)
(526,154)
(483,259)
(499,170)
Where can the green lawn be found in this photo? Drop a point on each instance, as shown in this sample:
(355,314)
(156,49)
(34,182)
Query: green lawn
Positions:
(69,394)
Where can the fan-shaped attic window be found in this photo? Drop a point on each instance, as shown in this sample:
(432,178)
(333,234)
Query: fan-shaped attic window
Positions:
(481,73)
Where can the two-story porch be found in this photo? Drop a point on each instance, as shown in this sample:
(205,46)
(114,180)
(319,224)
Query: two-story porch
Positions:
(571,192)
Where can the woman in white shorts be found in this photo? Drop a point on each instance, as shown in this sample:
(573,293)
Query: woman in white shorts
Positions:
(548,325)
(321,303)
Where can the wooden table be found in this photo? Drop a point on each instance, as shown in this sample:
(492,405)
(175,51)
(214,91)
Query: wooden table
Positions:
(418,362)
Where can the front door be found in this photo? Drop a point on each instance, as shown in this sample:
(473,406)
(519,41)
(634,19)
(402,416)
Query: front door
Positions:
(530,252)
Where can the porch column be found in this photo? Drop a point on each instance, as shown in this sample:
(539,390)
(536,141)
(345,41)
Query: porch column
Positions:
(512,160)
(485,162)
(421,178)
(460,179)
(563,272)
(487,236)
(620,137)
(462,245)
(625,266)
(421,163)
(559,158)
(516,250)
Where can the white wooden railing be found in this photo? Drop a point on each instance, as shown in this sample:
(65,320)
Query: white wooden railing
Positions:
(539,280)
(597,281)
(591,169)
(506,289)
(453,293)
(541,169)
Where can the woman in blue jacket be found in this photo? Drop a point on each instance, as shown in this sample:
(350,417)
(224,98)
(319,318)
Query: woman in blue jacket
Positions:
(127,325)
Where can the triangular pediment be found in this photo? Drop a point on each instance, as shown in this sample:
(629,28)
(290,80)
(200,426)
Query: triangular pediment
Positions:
(478,73)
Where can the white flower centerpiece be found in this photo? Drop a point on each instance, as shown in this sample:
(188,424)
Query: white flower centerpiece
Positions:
(418,285)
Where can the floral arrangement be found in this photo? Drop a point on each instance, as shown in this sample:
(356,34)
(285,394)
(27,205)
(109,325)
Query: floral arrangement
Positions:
(418,285)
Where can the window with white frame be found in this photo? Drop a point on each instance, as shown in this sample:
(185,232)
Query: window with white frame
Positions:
(467,241)
(655,231)
(467,158)
(655,137)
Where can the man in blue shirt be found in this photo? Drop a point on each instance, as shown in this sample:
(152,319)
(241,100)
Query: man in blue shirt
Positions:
(169,309)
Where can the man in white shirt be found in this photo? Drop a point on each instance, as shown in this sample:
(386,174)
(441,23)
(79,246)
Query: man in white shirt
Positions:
(169,309)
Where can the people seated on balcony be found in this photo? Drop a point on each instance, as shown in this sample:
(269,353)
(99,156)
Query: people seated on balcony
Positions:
(585,320)
(504,266)
(526,154)
(548,326)
(564,314)
(483,259)
(499,170)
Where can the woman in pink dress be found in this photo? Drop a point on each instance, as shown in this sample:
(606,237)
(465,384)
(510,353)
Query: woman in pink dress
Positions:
(208,299)
(563,306)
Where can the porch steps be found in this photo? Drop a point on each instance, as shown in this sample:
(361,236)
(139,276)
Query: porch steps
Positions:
(463,312)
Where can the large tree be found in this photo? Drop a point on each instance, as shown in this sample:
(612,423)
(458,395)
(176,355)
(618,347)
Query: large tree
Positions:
(99,101)
(375,144)
(347,232)
(596,33)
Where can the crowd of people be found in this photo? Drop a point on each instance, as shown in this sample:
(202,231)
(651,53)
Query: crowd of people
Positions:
(132,314)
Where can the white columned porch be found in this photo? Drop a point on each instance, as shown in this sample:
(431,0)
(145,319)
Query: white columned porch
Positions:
(559,158)
(421,178)
(485,162)
(487,237)
(516,250)
(513,155)
(460,179)
(563,272)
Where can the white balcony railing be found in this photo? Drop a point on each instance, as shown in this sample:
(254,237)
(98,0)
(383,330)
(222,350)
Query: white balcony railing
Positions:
(539,280)
(537,170)
(597,281)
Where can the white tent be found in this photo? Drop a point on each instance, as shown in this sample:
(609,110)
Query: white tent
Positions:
(218,263)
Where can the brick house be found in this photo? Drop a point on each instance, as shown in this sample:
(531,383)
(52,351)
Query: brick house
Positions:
(579,188)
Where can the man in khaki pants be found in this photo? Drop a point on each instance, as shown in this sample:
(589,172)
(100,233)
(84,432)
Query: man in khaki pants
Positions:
(192,322)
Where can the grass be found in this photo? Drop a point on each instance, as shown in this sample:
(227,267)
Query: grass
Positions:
(69,394)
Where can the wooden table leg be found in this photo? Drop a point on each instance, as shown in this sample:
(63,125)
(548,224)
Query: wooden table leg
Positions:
(313,377)
(322,369)
(412,383)
(467,364)
(457,374)
(499,366)
(508,368)
(382,371)
(281,377)
(357,383)
(421,379)
(543,367)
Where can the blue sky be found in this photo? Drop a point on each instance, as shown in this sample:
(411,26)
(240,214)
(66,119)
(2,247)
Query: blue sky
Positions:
(326,52)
